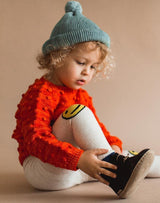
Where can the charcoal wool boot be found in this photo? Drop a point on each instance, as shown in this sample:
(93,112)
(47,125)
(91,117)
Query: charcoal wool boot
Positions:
(130,171)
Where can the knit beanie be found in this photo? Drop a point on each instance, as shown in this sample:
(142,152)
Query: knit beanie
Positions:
(74,28)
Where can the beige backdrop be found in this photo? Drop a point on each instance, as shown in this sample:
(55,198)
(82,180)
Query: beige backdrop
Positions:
(128,103)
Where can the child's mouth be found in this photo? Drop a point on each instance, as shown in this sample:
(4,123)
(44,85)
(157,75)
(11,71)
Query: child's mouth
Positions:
(80,82)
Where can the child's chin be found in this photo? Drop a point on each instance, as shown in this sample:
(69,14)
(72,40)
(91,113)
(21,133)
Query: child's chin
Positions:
(76,88)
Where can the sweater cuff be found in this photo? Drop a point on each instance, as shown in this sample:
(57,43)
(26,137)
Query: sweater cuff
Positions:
(72,162)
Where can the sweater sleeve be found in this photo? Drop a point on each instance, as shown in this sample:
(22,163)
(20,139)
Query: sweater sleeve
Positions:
(34,133)
(112,140)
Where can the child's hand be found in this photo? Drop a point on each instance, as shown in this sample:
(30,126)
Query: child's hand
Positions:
(116,149)
(90,164)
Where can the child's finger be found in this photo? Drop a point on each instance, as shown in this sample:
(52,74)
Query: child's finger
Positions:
(108,173)
(98,177)
(105,164)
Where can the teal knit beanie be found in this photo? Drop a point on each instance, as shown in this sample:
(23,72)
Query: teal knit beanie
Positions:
(74,28)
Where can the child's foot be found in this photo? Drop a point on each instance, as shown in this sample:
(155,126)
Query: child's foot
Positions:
(154,171)
(130,172)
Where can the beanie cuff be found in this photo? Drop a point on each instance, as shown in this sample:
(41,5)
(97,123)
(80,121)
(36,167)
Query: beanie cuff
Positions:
(71,38)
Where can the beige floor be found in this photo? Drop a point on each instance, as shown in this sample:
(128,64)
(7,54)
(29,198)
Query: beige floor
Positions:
(14,188)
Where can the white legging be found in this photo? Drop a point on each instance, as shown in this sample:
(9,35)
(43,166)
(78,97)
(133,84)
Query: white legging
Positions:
(81,130)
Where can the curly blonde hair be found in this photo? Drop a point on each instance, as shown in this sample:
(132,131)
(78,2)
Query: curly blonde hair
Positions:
(55,59)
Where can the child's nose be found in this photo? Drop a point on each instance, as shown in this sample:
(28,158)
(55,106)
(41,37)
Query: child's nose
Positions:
(86,70)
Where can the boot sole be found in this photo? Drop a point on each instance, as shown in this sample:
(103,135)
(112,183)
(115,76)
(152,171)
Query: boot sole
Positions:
(138,174)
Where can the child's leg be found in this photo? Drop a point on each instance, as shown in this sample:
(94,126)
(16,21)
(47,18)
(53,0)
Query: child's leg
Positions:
(79,127)
(81,130)
(45,176)
(154,171)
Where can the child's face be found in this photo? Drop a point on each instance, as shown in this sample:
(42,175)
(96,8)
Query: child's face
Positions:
(78,68)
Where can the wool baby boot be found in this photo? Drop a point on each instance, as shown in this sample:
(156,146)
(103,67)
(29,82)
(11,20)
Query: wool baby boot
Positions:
(154,171)
(130,171)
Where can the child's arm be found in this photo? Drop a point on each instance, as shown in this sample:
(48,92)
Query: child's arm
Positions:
(33,131)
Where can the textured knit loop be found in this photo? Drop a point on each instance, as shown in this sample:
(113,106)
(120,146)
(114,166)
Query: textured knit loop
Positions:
(73,6)
(74,28)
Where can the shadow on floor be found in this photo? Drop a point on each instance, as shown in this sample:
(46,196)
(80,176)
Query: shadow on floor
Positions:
(14,188)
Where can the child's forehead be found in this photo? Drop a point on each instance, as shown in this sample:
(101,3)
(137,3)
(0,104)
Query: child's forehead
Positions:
(88,46)
(87,54)
(83,50)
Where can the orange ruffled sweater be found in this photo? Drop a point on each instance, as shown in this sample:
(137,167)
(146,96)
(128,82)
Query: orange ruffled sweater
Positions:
(39,107)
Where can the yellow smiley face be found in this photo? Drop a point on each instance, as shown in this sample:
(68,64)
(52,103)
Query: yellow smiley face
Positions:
(133,152)
(72,111)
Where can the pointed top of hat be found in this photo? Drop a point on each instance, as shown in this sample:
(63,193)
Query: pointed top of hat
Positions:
(73,6)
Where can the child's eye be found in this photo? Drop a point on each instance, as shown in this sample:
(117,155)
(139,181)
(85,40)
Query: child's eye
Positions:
(93,67)
(80,63)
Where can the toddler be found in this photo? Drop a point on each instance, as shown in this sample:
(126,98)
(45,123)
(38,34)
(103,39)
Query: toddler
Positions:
(62,143)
